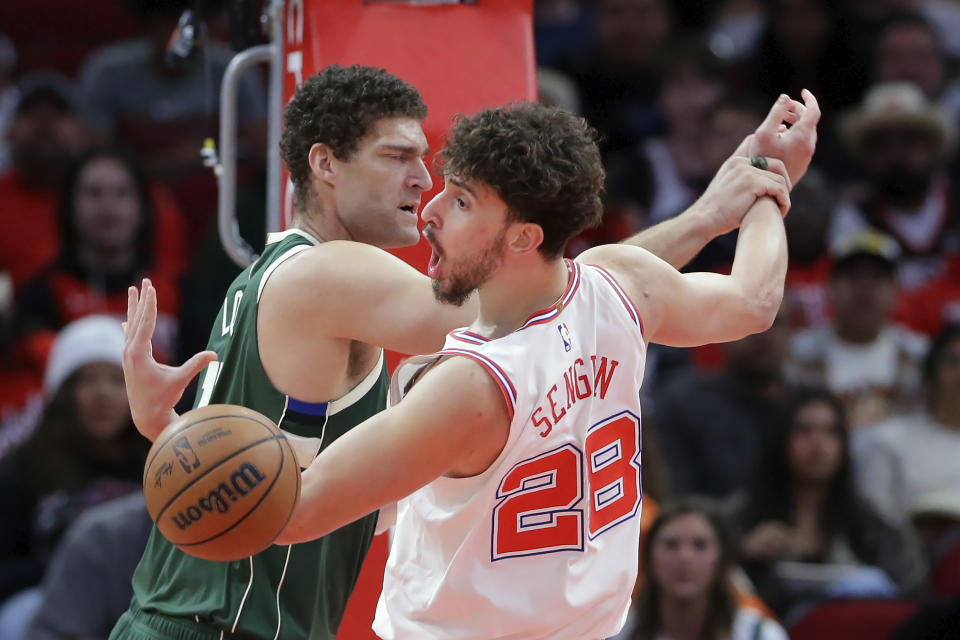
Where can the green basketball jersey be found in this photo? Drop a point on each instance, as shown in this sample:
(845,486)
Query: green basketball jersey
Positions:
(314,579)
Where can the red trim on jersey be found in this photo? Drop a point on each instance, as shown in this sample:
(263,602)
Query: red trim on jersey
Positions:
(498,374)
(624,298)
(551,312)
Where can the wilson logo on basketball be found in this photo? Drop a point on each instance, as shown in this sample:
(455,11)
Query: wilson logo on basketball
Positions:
(242,481)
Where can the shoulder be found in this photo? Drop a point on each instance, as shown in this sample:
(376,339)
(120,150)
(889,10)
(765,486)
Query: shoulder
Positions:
(911,343)
(810,344)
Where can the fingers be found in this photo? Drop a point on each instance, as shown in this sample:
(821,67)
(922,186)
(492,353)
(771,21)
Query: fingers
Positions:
(196,364)
(777,114)
(775,165)
(807,124)
(150,316)
(132,299)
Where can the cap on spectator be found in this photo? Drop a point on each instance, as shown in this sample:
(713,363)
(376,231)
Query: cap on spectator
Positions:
(942,503)
(48,86)
(85,341)
(866,243)
(896,105)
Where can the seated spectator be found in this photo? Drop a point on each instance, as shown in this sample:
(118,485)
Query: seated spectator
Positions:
(687,590)
(905,144)
(87,585)
(806,533)
(678,174)
(908,49)
(862,356)
(21,376)
(106,229)
(808,269)
(165,112)
(711,426)
(913,455)
(46,136)
(619,74)
(85,451)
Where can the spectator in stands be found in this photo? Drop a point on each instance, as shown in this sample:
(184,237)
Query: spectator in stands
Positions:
(107,229)
(165,112)
(807,533)
(908,50)
(687,590)
(619,75)
(806,46)
(872,364)
(905,143)
(808,270)
(711,426)
(84,452)
(45,136)
(21,376)
(87,584)
(906,459)
(690,87)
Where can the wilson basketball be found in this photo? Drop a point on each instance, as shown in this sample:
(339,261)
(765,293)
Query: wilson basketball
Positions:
(221,482)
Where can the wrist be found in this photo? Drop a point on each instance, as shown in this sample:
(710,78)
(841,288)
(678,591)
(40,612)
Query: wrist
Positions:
(700,220)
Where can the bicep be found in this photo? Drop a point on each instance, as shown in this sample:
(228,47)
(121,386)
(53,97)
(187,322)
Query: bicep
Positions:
(366,294)
(678,309)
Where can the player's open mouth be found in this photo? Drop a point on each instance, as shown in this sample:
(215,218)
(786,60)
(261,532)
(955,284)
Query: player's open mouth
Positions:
(433,266)
(409,209)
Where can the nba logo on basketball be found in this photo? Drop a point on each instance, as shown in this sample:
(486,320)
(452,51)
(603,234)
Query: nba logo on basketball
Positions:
(565,336)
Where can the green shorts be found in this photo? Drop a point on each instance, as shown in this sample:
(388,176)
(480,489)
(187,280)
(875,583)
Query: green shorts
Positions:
(140,625)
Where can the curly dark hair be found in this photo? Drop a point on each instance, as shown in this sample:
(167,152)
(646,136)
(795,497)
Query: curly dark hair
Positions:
(338,107)
(542,161)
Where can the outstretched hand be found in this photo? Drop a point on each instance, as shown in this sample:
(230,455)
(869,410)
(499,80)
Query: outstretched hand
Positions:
(153,388)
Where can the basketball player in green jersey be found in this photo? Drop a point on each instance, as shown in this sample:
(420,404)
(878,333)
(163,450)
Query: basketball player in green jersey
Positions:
(300,334)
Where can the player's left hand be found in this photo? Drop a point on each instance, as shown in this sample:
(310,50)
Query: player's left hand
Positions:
(736,187)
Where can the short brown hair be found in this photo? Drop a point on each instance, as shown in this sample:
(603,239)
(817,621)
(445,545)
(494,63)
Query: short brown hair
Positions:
(542,161)
(338,107)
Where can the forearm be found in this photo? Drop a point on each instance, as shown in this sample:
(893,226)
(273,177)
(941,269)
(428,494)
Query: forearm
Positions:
(677,240)
(760,261)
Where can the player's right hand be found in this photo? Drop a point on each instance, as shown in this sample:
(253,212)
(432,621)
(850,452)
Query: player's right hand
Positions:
(794,145)
(153,388)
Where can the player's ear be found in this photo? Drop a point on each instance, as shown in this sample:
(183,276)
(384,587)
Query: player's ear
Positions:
(524,237)
(320,157)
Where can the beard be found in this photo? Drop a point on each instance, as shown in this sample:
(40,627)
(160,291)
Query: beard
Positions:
(470,274)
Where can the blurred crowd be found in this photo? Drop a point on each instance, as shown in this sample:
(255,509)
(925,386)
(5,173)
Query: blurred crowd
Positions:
(805,479)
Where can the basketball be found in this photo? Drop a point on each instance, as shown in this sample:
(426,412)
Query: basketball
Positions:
(221,482)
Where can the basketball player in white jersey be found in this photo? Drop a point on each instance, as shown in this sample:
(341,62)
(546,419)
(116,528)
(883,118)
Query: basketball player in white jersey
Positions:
(515,451)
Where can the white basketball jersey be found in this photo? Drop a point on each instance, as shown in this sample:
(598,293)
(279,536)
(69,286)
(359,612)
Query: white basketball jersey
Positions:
(544,543)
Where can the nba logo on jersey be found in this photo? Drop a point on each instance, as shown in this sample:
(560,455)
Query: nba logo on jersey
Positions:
(565,336)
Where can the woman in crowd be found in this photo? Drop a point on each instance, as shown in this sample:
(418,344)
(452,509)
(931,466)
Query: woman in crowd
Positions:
(85,450)
(687,592)
(808,533)
(106,223)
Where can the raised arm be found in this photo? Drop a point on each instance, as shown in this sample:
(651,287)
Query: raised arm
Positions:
(697,308)
(736,184)
(454,421)
(356,291)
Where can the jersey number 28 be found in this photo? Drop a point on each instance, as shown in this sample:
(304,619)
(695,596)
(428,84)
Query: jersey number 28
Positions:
(537,512)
